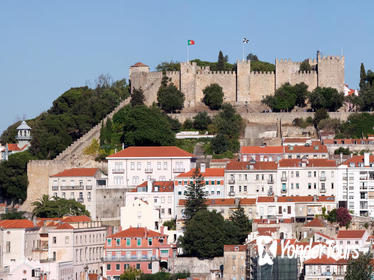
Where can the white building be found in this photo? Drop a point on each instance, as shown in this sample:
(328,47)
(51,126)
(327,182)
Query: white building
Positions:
(306,177)
(23,142)
(79,184)
(250,179)
(135,165)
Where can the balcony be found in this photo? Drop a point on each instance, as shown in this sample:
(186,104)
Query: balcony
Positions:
(54,188)
(118,171)
(80,199)
(89,187)
(323,178)
(283,190)
(148,170)
(283,179)
(231,193)
(179,170)
(128,258)
(66,188)
(231,181)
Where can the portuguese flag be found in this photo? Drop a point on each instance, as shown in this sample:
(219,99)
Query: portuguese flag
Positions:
(190,42)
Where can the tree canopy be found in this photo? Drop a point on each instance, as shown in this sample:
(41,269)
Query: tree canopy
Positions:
(201,121)
(137,97)
(57,207)
(242,222)
(326,98)
(195,196)
(305,66)
(360,268)
(213,96)
(169,98)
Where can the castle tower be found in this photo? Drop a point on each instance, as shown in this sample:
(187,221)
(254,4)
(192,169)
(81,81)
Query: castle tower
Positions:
(24,135)
(188,83)
(242,80)
(138,75)
(330,71)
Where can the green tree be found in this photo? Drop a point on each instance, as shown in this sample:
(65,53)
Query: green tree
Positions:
(198,239)
(358,125)
(220,62)
(13,215)
(365,101)
(360,268)
(168,66)
(201,121)
(171,224)
(142,126)
(195,196)
(169,98)
(326,98)
(331,217)
(130,273)
(320,114)
(242,222)
(137,97)
(362,77)
(252,57)
(56,207)
(213,96)
(188,124)
(305,66)
(341,150)
(220,144)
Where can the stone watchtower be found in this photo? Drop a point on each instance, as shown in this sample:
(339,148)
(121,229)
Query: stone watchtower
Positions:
(138,75)
(24,135)
(242,80)
(330,71)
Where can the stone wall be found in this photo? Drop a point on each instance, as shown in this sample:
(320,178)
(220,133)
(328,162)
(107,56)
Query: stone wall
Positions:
(197,267)
(261,84)
(109,202)
(331,72)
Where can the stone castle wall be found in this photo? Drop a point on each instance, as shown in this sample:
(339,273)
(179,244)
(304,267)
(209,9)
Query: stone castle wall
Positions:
(242,85)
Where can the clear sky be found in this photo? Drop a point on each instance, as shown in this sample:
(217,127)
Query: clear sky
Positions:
(46,47)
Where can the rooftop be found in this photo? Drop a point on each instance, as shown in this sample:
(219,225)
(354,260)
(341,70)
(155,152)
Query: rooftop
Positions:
(313,149)
(209,172)
(163,186)
(351,234)
(76,219)
(23,125)
(77,172)
(136,232)
(234,248)
(309,163)
(23,223)
(315,223)
(139,64)
(151,151)
(261,150)
(258,165)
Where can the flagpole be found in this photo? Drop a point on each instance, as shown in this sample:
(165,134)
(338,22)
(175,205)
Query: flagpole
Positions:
(243,50)
(188,54)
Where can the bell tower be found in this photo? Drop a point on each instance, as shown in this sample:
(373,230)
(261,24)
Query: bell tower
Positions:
(24,134)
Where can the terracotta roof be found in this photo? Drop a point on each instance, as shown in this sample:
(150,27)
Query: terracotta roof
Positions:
(266,230)
(326,198)
(163,186)
(259,165)
(210,202)
(261,150)
(77,172)
(358,161)
(247,201)
(234,248)
(154,151)
(353,234)
(64,226)
(295,140)
(76,219)
(15,148)
(325,260)
(265,199)
(136,232)
(295,198)
(324,235)
(309,162)
(23,223)
(346,141)
(139,64)
(370,238)
(220,160)
(315,223)
(264,221)
(314,149)
(209,172)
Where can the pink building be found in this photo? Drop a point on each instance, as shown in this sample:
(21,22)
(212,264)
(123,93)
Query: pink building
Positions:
(140,248)
(261,153)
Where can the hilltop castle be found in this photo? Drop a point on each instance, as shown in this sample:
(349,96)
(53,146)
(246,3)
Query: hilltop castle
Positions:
(243,85)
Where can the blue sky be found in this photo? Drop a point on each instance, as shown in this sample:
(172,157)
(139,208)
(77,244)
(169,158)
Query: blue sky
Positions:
(46,47)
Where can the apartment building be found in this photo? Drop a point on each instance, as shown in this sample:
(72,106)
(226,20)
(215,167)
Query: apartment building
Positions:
(213,180)
(314,150)
(80,241)
(261,153)
(234,262)
(140,248)
(325,268)
(306,177)
(250,179)
(356,185)
(135,165)
(80,184)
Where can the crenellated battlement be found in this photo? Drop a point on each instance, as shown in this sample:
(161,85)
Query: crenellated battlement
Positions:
(172,73)
(306,72)
(286,61)
(216,73)
(330,59)
(257,73)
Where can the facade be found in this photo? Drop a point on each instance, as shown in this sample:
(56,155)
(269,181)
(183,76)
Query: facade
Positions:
(242,85)
(310,151)
(325,268)
(306,177)
(23,142)
(135,165)
(234,262)
(353,238)
(250,179)
(80,241)
(80,184)
(261,153)
(140,248)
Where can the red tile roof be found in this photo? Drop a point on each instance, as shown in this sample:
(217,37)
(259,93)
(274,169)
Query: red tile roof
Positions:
(261,150)
(358,160)
(77,172)
(154,151)
(295,140)
(15,148)
(346,141)
(247,201)
(209,172)
(76,219)
(315,223)
(314,149)
(64,226)
(139,64)
(136,232)
(265,199)
(163,186)
(16,224)
(325,260)
(309,162)
(259,165)
(295,198)
(324,235)
(326,198)
(210,202)
(351,234)
(266,230)
(234,248)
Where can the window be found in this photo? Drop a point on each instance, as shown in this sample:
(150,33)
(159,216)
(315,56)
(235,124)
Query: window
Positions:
(213,183)
(291,186)
(139,242)
(72,195)
(132,165)
(8,246)
(54,239)
(245,188)
(67,239)
(63,195)
(257,177)
(309,173)
(118,180)
(118,266)
(108,266)
(159,165)
(165,165)
(118,242)
(54,256)
(297,185)
(288,209)
(280,210)
(297,173)
(309,186)
(109,241)
(150,241)
(150,266)
(128,241)
(126,266)
(240,188)
(138,266)
(315,185)
(332,185)
(135,180)
(89,196)
(139,166)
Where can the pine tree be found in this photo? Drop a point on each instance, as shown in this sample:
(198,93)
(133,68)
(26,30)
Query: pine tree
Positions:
(195,196)
(137,97)
(220,62)
(240,219)
(362,77)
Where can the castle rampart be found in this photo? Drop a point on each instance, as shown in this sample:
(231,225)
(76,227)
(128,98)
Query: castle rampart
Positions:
(242,85)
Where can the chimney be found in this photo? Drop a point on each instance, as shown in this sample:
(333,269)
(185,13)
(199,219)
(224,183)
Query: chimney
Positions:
(149,186)
(202,167)
(366,159)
